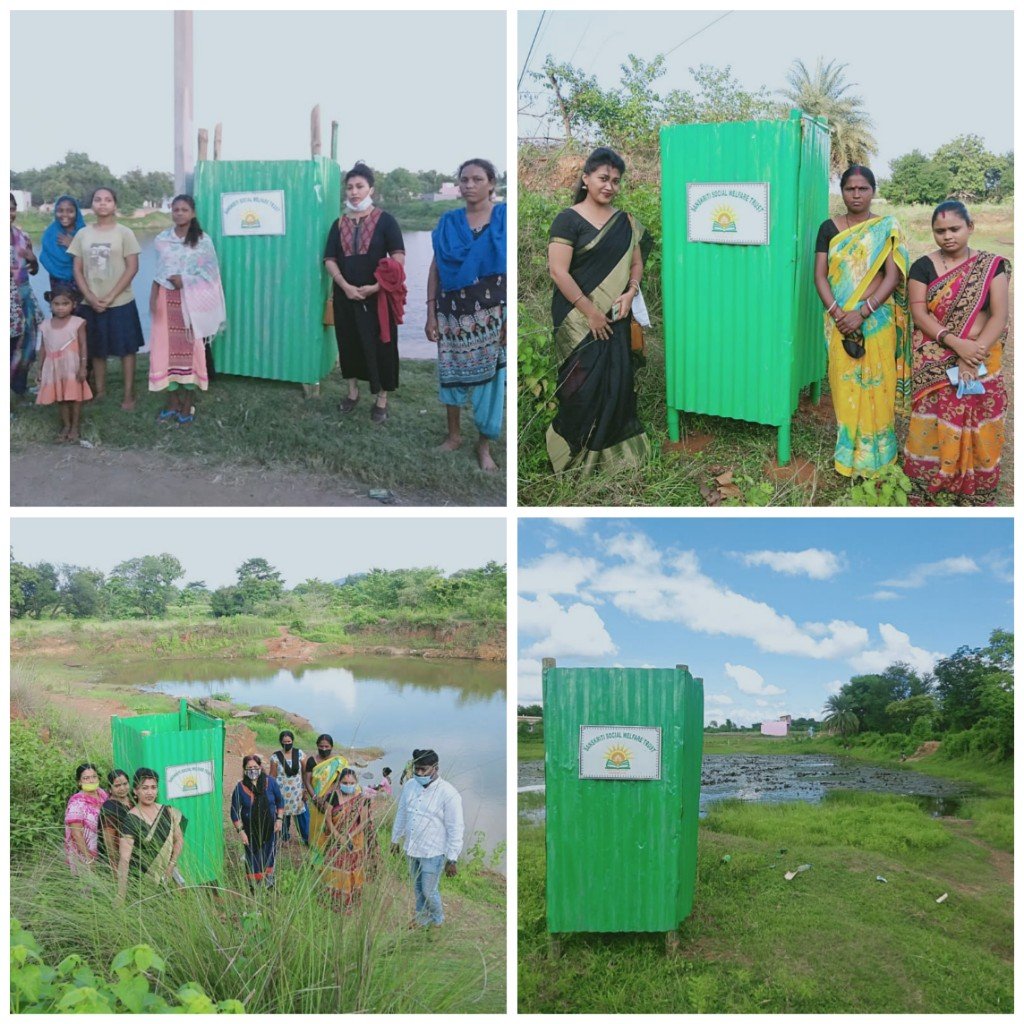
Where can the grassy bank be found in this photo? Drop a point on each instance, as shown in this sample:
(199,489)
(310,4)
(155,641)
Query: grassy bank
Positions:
(271,426)
(834,940)
(421,215)
(715,445)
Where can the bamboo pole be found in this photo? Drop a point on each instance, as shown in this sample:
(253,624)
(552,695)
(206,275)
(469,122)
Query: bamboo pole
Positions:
(334,141)
(216,140)
(315,145)
(184,163)
(202,144)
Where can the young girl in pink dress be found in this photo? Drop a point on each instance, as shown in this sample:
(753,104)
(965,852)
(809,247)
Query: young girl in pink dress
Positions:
(62,373)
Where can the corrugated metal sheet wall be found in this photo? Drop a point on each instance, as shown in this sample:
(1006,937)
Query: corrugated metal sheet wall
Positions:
(732,342)
(275,285)
(181,738)
(621,855)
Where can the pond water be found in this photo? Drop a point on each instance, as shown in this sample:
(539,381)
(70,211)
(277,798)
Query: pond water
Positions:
(411,342)
(776,778)
(455,707)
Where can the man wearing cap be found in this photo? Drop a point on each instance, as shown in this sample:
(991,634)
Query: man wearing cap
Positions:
(430,819)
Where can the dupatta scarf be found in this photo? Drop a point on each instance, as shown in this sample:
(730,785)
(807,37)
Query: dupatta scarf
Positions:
(52,254)
(955,299)
(855,257)
(202,296)
(153,844)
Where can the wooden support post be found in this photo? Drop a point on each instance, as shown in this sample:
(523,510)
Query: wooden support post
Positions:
(547,663)
(671,943)
(217,134)
(202,143)
(315,145)
(555,947)
(334,141)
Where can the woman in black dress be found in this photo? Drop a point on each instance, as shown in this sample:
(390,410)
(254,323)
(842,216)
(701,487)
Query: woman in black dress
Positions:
(358,242)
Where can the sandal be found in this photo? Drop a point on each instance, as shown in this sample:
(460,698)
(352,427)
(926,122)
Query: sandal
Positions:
(185,420)
(166,415)
(348,404)
(379,414)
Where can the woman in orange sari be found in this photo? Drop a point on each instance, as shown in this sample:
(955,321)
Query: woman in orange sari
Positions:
(959,299)
(349,841)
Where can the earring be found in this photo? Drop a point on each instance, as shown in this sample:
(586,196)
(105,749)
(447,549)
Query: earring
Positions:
(584,186)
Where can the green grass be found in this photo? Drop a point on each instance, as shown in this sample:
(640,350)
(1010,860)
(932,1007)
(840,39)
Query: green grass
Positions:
(34,223)
(272,427)
(833,940)
(747,449)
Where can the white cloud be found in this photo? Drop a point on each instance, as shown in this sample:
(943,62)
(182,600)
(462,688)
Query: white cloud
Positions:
(919,575)
(556,574)
(896,646)
(562,632)
(886,595)
(750,681)
(672,588)
(529,689)
(1000,564)
(815,563)
(577,524)
(718,698)
(834,687)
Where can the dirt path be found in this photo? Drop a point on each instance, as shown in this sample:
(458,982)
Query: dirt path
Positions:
(68,475)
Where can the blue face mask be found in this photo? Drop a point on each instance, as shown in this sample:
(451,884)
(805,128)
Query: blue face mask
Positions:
(424,780)
(347,789)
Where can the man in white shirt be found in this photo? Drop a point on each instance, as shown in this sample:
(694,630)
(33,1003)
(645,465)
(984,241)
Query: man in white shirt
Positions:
(430,819)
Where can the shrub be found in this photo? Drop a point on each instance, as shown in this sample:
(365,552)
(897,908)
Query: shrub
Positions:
(40,792)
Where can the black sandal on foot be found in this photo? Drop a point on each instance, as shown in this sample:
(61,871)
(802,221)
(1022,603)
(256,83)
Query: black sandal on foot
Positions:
(348,404)
(379,413)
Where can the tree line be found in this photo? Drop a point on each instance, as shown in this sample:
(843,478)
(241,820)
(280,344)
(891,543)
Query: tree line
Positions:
(150,587)
(629,115)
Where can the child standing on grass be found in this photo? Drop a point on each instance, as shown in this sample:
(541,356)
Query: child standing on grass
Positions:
(62,373)
(106,258)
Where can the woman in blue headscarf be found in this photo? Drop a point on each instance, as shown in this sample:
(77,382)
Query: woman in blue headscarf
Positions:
(466,308)
(67,222)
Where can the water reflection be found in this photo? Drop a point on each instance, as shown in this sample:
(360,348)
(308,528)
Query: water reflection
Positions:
(457,708)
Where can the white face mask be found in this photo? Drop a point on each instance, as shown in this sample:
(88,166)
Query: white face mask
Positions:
(361,206)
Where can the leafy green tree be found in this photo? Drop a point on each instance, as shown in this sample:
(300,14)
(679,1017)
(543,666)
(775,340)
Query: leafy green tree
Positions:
(825,92)
(226,601)
(840,718)
(144,586)
(81,592)
(258,582)
(23,580)
(194,593)
(38,585)
(904,713)
(915,178)
(967,161)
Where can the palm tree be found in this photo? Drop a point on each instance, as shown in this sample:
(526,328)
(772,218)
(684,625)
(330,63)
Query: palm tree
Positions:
(840,717)
(825,94)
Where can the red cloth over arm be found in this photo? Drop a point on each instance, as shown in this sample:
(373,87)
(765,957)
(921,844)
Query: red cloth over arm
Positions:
(390,275)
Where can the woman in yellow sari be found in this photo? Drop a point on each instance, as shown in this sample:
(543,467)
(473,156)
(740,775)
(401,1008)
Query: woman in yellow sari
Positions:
(860,271)
(320,777)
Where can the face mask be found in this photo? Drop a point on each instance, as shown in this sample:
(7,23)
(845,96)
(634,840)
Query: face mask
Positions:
(347,789)
(359,207)
(424,780)
(286,746)
(324,753)
(252,773)
(90,787)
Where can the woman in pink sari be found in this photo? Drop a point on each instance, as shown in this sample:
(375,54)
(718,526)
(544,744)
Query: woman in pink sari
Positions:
(959,299)
(187,307)
(82,820)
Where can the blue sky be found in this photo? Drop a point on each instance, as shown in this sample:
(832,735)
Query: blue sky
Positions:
(891,56)
(774,614)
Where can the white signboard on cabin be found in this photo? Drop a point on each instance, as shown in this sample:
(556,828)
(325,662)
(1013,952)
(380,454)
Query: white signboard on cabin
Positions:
(620,752)
(188,779)
(727,212)
(252,213)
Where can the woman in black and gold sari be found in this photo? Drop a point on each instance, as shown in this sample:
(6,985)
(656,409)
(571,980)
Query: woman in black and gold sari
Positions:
(595,257)
(151,840)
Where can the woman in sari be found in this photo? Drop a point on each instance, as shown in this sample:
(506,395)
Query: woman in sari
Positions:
(320,778)
(153,839)
(595,258)
(466,308)
(112,815)
(257,812)
(53,249)
(959,298)
(186,306)
(860,272)
(24,344)
(349,842)
(82,820)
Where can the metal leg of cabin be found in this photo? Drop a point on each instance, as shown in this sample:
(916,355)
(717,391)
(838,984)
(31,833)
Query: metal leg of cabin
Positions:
(816,392)
(555,947)
(671,943)
(673,425)
(784,442)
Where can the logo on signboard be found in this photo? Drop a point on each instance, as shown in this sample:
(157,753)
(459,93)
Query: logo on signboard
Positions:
(617,759)
(183,780)
(620,752)
(723,219)
(249,221)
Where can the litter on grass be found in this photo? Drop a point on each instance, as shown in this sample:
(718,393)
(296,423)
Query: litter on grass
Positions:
(790,875)
(943,898)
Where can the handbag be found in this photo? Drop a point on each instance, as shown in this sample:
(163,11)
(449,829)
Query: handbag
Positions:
(329,310)
(636,338)
(854,344)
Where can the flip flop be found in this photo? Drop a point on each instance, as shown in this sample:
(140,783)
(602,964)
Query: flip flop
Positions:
(185,420)
(348,404)
(166,415)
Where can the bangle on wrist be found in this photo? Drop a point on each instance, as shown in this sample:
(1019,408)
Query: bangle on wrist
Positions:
(578,297)
(835,302)
(945,332)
